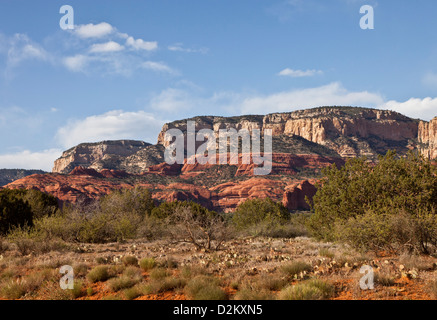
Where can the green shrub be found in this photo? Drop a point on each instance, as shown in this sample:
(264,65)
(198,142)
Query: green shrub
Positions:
(260,216)
(122,282)
(13,289)
(205,288)
(78,289)
(14,211)
(158,273)
(99,273)
(130,261)
(310,290)
(325,252)
(80,270)
(147,263)
(388,205)
(132,293)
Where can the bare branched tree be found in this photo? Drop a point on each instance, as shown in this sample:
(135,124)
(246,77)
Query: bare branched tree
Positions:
(206,231)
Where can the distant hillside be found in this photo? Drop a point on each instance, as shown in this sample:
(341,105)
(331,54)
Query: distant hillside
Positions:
(9,175)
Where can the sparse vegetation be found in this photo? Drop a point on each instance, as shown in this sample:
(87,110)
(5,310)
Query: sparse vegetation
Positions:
(390,205)
(313,289)
(205,288)
(295,268)
(147,263)
(99,273)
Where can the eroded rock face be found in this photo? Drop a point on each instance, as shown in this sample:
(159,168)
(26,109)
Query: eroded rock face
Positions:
(334,131)
(128,155)
(303,143)
(348,131)
(209,185)
(428,138)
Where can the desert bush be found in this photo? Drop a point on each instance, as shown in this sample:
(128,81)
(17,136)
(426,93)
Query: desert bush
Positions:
(203,228)
(133,272)
(260,216)
(205,288)
(132,293)
(325,252)
(122,282)
(78,289)
(41,204)
(271,282)
(99,273)
(13,289)
(14,211)
(169,263)
(314,289)
(158,273)
(385,279)
(147,263)
(295,268)
(137,201)
(130,261)
(388,205)
(80,269)
(189,272)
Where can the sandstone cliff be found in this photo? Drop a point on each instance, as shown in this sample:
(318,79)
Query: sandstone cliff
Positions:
(347,131)
(129,155)
(303,143)
(328,131)
(428,138)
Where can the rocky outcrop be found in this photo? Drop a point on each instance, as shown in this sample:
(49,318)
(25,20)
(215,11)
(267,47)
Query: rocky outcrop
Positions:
(327,131)
(210,185)
(112,155)
(296,195)
(428,138)
(304,142)
(9,175)
(347,131)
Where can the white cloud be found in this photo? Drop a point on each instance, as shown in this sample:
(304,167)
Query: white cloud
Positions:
(20,48)
(76,63)
(299,73)
(110,46)
(140,44)
(94,30)
(112,125)
(328,95)
(424,109)
(30,160)
(179,47)
(158,67)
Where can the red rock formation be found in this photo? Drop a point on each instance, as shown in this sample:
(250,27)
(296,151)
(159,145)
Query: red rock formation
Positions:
(85,183)
(295,195)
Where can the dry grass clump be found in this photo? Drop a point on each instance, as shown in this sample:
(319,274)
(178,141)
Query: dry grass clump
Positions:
(205,288)
(314,289)
(147,263)
(99,273)
(295,268)
(130,261)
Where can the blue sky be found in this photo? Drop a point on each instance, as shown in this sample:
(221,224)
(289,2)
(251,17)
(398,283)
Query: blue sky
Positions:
(128,67)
